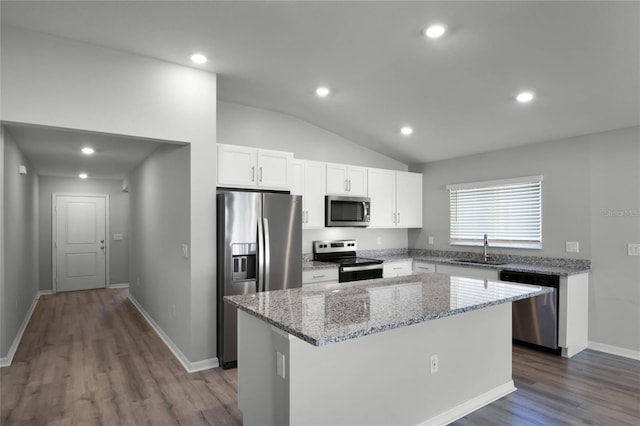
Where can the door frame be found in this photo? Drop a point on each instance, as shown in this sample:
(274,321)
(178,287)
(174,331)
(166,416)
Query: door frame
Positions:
(54,235)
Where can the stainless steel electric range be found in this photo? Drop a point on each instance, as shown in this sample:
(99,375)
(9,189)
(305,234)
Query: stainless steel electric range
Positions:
(351,267)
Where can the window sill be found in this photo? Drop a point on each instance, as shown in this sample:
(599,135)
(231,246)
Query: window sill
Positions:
(499,245)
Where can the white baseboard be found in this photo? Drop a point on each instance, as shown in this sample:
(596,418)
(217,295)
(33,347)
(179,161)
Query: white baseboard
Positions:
(467,407)
(118,285)
(615,350)
(44,293)
(191,367)
(7,360)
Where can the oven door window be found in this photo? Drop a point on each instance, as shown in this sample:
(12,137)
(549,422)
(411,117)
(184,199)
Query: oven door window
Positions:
(359,275)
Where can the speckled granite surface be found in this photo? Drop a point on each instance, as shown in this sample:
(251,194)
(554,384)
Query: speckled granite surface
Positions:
(312,265)
(541,265)
(324,314)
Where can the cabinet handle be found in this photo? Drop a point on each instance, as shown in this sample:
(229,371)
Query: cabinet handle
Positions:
(307,216)
(397,268)
(318,276)
(346,185)
(253,174)
(349,185)
(394,218)
(260,173)
(398,218)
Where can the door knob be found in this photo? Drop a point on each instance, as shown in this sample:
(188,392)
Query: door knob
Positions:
(101,241)
(102,247)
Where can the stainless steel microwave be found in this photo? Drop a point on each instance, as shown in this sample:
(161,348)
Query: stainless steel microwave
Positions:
(347,211)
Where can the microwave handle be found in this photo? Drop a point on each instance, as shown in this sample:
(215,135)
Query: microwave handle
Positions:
(365,210)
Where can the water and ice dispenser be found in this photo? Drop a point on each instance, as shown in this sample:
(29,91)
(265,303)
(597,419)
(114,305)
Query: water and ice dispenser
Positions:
(244,261)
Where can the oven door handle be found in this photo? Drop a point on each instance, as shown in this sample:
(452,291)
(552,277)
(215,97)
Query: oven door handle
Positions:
(360,268)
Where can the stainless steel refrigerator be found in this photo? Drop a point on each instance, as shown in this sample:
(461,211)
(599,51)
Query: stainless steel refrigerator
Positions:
(259,249)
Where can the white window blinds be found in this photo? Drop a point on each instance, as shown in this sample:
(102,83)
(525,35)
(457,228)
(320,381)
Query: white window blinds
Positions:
(509,211)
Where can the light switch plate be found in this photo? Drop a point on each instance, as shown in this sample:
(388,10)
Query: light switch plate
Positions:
(280,364)
(185,250)
(572,247)
(430,239)
(117,237)
(633,249)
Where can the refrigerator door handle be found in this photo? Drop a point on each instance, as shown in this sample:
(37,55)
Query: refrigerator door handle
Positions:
(261,252)
(267,256)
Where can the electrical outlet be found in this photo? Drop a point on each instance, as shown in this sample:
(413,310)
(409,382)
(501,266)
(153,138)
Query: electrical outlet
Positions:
(572,247)
(633,249)
(430,239)
(433,364)
(185,250)
(379,241)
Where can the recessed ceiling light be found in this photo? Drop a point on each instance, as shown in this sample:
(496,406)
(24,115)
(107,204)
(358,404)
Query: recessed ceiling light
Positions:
(87,150)
(199,58)
(406,130)
(524,97)
(323,92)
(83,175)
(435,31)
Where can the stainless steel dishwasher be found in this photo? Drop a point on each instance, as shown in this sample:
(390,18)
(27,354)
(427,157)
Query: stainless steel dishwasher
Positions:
(535,320)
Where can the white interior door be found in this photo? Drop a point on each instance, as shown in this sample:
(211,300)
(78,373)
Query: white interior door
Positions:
(80,242)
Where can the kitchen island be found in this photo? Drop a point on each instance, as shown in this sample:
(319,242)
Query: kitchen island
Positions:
(419,349)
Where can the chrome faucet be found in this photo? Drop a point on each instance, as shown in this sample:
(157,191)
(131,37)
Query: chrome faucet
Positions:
(486,245)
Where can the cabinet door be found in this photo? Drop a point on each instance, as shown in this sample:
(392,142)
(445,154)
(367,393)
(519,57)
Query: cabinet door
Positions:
(236,166)
(357,177)
(314,191)
(396,269)
(382,191)
(274,169)
(297,180)
(336,179)
(409,200)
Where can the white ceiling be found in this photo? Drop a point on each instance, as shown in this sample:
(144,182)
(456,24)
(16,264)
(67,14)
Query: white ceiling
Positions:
(55,152)
(582,59)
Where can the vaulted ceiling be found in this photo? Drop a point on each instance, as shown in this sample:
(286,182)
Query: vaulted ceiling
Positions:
(581,59)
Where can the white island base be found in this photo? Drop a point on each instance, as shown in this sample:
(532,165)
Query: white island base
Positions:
(379,379)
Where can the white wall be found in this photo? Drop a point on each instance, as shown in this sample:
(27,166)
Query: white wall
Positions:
(58,82)
(159,201)
(591,194)
(20,237)
(261,128)
(118,218)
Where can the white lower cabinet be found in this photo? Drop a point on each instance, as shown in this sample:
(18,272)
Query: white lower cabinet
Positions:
(423,267)
(316,276)
(396,269)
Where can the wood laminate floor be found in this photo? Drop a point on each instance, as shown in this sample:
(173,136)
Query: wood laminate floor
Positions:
(89,358)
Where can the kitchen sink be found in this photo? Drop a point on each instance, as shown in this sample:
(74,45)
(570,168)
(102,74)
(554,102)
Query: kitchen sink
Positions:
(493,262)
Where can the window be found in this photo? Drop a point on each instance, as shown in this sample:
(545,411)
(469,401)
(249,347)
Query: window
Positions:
(509,211)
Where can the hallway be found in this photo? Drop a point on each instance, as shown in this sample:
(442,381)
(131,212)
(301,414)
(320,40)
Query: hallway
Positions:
(89,357)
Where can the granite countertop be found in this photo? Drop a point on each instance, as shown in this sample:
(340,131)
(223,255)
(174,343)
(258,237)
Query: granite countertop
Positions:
(314,264)
(324,314)
(560,270)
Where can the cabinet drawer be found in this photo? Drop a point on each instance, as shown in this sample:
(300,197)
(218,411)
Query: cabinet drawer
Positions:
(396,269)
(423,267)
(320,275)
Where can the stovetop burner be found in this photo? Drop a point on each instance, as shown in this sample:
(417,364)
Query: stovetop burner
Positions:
(352,267)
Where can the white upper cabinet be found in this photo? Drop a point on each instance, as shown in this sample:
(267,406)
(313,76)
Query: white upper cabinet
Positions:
(382,191)
(396,199)
(408,200)
(245,167)
(346,180)
(309,181)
